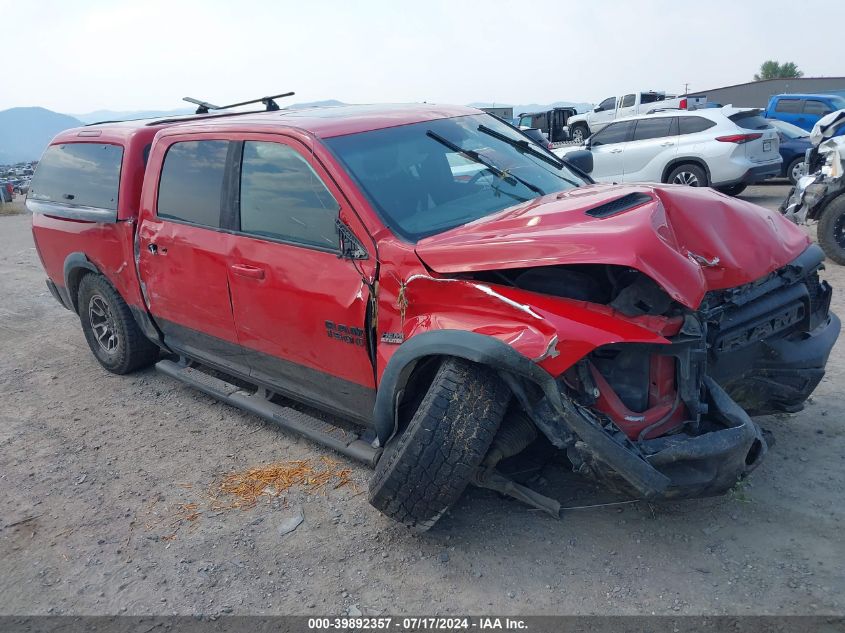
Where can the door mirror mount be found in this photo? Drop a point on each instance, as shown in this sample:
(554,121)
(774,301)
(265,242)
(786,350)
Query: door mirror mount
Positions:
(348,245)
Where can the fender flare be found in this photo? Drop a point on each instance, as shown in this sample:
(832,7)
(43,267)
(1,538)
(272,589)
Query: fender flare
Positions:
(471,346)
(75,262)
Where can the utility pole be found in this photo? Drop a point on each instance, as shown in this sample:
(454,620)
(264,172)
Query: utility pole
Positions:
(686,88)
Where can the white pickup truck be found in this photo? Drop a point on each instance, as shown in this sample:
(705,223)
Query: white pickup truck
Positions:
(583,125)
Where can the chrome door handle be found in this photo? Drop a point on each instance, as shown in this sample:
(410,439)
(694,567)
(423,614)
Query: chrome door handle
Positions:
(615,151)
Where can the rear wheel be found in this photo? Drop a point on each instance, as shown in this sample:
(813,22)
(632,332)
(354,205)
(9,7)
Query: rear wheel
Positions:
(795,170)
(426,468)
(831,232)
(732,190)
(110,329)
(688,174)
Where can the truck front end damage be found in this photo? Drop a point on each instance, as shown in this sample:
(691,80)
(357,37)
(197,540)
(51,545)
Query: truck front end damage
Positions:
(672,419)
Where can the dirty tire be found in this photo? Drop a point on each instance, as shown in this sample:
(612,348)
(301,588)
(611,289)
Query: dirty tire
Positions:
(110,329)
(688,174)
(427,466)
(831,232)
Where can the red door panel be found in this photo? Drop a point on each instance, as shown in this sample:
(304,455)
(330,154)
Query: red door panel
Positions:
(303,312)
(185,275)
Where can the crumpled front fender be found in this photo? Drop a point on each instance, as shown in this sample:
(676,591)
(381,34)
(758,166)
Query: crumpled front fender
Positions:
(552,331)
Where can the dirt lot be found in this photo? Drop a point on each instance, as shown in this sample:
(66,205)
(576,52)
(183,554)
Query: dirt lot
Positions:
(93,467)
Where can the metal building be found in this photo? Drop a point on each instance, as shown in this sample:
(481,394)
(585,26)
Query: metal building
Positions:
(755,94)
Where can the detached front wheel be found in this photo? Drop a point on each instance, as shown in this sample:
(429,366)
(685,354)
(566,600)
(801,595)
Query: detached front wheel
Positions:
(110,329)
(831,233)
(426,467)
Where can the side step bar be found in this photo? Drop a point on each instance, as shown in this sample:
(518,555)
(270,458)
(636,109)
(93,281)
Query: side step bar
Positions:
(345,442)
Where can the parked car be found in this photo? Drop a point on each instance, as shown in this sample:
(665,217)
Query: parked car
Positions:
(436,325)
(553,123)
(726,148)
(794,143)
(820,194)
(582,126)
(803,110)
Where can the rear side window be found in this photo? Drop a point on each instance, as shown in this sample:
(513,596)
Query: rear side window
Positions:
(650,97)
(628,101)
(655,128)
(613,133)
(788,106)
(283,198)
(79,174)
(693,124)
(818,108)
(751,120)
(191,185)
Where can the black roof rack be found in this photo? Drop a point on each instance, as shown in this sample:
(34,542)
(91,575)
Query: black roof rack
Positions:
(269,102)
(203,108)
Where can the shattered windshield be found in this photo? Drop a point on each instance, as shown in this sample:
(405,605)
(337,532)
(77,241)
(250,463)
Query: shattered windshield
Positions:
(428,177)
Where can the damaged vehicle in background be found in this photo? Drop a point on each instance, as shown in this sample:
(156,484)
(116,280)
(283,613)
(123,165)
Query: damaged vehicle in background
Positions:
(820,195)
(442,293)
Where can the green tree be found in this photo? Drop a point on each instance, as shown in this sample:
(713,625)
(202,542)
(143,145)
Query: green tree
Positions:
(773,70)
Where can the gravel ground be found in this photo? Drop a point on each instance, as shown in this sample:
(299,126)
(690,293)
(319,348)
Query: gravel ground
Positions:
(93,468)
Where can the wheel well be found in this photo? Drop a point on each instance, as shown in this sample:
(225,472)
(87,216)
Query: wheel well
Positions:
(74,278)
(677,162)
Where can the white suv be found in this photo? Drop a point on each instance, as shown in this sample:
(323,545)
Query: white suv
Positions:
(725,148)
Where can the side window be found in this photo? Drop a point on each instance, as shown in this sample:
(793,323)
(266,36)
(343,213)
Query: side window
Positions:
(283,198)
(628,101)
(816,107)
(788,106)
(525,121)
(655,128)
(608,104)
(693,124)
(613,133)
(191,184)
(79,174)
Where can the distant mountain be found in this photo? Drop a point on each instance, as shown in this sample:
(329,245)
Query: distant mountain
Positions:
(534,107)
(314,104)
(125,115)
(25,132)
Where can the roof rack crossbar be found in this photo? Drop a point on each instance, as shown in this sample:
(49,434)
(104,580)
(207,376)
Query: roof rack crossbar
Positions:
(269,102)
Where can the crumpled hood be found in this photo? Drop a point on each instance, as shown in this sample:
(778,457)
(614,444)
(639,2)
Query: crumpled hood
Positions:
(688,240)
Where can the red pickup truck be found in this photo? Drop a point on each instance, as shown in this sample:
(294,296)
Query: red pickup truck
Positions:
(439,292)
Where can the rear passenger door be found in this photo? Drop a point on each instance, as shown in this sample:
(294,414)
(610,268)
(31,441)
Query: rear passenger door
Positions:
(654,144)
(183,254)
(300,309)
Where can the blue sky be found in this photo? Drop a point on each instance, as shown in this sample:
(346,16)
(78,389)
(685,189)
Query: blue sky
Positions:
(82,55)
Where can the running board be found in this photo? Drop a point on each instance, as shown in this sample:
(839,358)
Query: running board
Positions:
(346,442)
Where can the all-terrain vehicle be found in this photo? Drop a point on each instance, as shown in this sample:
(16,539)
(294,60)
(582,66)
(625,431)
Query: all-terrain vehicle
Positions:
(440,291)
(820,193)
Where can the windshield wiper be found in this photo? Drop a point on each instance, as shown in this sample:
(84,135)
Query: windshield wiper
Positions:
(478,158)
(524,146)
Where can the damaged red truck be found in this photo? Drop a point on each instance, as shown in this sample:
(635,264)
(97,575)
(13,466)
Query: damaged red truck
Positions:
(439,292)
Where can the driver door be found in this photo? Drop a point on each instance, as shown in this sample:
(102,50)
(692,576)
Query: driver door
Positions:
(604,113)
